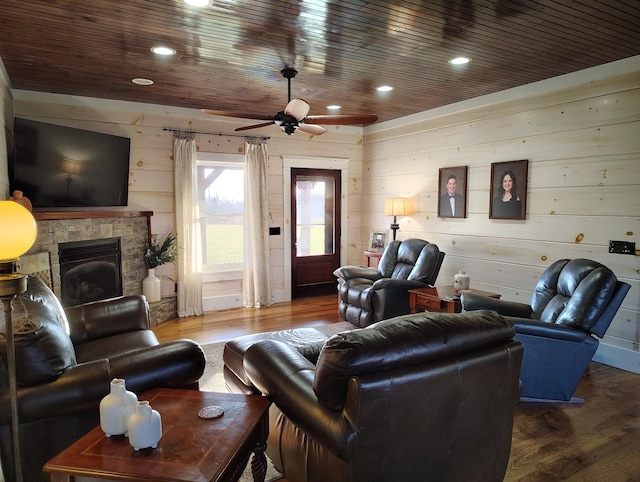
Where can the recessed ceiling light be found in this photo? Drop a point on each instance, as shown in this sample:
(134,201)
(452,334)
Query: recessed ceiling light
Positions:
(140,81)
(384,88)
(334,107)
(160,50)
(459,60)
(199,3)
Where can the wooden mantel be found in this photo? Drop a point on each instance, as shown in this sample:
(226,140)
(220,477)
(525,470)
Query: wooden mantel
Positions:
(50,215)
(61,215)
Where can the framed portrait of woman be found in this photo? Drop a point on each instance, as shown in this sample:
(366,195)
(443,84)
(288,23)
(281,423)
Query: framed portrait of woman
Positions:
(452,192)
(508,190)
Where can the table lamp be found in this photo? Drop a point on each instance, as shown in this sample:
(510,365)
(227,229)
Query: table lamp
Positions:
(395,207)
(16,237)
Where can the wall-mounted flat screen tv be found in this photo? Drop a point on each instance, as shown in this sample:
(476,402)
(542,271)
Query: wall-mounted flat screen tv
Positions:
(58,166)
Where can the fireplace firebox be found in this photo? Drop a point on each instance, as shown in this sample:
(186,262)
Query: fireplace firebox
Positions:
(90,271)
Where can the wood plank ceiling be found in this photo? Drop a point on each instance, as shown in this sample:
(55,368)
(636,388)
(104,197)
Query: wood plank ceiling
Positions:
(229,55)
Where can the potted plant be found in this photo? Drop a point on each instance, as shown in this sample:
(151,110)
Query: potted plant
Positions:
(156,254)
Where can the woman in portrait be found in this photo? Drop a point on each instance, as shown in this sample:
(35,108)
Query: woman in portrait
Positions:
(507,203)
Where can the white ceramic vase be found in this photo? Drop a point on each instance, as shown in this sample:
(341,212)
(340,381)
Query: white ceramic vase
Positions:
(461,281)
(116,408)
(145,427)
(151,288)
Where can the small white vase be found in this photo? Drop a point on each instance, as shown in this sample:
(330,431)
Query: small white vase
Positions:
(461,281)
(151,288)
(116,408)
(145,427)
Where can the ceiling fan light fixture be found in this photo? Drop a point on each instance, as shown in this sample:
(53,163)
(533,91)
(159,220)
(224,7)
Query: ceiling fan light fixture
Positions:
(384,88)
(199,3)
(459,60)
(161,50)
(141,81)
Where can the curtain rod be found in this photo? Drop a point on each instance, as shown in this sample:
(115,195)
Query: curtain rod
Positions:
(213,133)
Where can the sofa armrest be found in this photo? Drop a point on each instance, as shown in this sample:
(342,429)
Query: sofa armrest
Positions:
(473,302)
(104,318)
(397,284)
(554,331)
(286,377)
(78,388)
(174,364)
(350,272)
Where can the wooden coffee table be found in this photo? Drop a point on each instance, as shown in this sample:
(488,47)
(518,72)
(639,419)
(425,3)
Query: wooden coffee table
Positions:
(191,448)
(441,299)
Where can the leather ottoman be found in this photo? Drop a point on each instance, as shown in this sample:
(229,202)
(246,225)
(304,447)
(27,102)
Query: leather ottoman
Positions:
(307,341)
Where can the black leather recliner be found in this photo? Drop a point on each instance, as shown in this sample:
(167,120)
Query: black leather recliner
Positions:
(572,301)
(368,295)
(425,396)
(66,360)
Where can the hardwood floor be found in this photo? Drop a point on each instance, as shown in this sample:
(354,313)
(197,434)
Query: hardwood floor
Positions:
(598,440)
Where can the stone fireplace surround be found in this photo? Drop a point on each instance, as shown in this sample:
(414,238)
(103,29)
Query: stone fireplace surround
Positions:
(132,227)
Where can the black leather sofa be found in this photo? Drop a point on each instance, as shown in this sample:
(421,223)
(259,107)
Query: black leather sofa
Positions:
(65,362)
(420,397)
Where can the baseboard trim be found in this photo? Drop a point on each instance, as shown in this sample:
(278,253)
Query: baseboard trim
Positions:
(215,303)
(617,357)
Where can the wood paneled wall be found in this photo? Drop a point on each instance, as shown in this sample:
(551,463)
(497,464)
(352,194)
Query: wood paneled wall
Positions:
(151,181)
(581,135)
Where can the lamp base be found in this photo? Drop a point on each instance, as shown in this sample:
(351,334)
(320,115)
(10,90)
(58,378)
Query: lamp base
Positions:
(394,227)
(12,284)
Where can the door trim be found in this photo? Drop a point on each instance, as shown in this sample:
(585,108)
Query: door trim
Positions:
(335,163)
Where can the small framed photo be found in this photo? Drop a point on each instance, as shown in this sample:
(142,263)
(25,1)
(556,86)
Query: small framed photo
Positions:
(377,240)
(452,192)
(508,190)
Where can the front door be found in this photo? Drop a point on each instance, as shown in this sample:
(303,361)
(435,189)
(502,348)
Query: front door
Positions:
(315,235)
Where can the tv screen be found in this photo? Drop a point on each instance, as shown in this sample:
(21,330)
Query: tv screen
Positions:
(57,166)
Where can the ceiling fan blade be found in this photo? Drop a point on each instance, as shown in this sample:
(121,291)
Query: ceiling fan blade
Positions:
(342,120)
(297,108)
(255,126)
(239,115)
(312,129)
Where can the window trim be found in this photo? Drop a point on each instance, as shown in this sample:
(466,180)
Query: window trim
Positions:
(224,160)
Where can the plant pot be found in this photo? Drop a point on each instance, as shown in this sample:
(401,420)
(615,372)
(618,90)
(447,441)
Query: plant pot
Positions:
(151,287)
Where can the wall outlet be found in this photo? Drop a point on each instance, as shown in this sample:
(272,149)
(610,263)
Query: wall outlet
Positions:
(622,247)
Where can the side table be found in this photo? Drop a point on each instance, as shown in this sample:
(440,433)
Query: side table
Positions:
(191,448)
(372,255)
(441,299)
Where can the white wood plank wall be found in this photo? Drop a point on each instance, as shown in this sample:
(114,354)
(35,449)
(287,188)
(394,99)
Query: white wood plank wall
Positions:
(581,135)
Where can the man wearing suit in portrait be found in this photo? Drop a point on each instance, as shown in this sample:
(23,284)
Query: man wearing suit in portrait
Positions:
(451,203)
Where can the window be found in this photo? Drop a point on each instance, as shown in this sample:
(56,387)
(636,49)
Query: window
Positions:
(221,194)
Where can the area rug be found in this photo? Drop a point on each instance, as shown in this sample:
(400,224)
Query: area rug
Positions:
(213,381)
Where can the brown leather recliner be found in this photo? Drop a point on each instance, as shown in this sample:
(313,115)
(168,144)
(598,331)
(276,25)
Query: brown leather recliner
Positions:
(421,397)
(65,362)
(368,295)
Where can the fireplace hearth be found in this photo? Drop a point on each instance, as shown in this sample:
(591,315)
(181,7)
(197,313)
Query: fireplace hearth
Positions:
(90,270)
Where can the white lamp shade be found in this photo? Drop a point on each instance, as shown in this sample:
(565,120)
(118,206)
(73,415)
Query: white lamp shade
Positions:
(19,230)
(395,207)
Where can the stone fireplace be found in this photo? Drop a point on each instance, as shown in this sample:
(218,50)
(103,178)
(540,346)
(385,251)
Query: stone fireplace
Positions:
(132,228)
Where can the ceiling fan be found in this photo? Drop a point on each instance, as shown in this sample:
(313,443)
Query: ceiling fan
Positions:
(294,116)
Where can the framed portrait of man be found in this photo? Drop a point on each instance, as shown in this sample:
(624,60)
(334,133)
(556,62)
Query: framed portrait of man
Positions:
(508,190)
(452,192)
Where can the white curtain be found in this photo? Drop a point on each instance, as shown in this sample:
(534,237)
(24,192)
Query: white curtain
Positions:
(188,225)
(256,276)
